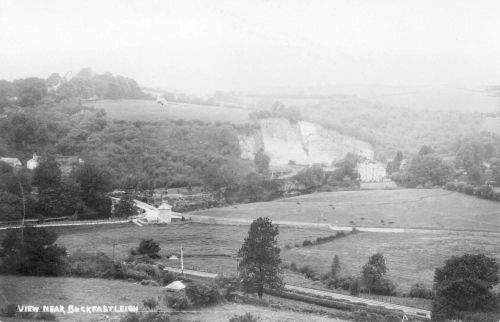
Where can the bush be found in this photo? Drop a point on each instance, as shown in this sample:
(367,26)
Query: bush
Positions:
(177,301)
(149,247)
(150,269)
(247,317)
(354,287)
(150,303)
(150,283)
(228,285)
(85,264)
(135,275)
(384,287)
(168,278)
(306,243)
(308,272)
(293,267)
(421,291)
(9,310)
(202,294)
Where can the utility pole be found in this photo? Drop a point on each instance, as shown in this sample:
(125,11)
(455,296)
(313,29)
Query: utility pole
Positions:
(182,261)
(24,204)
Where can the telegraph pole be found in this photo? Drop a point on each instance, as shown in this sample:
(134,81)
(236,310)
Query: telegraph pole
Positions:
(182,261)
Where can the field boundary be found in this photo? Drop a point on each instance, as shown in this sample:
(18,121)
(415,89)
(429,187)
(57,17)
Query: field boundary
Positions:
(244,222)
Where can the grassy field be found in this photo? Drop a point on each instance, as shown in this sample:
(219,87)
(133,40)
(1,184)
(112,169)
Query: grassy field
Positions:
(38,291)
(411,257)
(206,247)
(29,290)
(410,208)
(142,110)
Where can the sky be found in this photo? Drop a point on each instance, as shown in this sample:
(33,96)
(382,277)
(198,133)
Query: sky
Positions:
(202,46)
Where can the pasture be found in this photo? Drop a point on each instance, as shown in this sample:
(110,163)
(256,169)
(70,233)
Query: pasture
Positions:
(408,208)
(144,110)
(411,257)
(38,291)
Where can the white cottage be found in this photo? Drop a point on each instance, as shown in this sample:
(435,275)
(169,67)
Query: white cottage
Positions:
(33,163)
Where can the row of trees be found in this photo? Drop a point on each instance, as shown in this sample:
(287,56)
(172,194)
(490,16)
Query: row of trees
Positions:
(83,192)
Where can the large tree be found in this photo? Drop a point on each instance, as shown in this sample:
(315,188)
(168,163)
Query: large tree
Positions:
(261,263)
(126,207)
(464,284)
(31,251)
(374,271)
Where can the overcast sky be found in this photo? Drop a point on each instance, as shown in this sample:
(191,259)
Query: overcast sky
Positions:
(201,46)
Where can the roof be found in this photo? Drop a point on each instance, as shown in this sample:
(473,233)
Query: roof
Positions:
(175,286)
(11,161)
(165,206)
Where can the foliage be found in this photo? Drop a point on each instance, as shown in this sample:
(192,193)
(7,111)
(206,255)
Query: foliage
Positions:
(278,109)
(31,251)
(85,264)
(421,291)
(428,168)
(178,301)
(373,271)
(395,164)
(228,285)
(261,263)
(354,288)
(149,247)
(201,294)
(464,284)
(126,207)
(335,269)
(95,182)
(247,317)
(262,161)
(150,303)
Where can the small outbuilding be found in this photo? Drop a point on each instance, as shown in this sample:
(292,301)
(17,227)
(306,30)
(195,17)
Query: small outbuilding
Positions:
(175,286)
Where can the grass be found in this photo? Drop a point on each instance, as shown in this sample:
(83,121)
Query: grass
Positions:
(410,208)
(411,257)
(143,110)
(29,290)
(219,241)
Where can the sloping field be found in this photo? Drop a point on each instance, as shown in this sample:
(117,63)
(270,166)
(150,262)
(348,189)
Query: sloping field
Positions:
(29,290)
(409,208)
(142,110)
(411,257)
(206,247)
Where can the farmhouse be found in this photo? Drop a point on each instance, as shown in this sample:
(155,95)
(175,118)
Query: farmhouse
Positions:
(33,163)
(13,162)
(371,171)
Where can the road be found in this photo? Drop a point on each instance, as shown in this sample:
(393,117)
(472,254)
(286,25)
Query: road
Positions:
(353,299)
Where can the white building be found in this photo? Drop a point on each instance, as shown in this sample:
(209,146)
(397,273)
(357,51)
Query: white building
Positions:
(371,171)
(33,163)
(13,162)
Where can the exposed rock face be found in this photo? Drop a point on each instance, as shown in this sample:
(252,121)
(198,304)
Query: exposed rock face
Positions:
(302,142)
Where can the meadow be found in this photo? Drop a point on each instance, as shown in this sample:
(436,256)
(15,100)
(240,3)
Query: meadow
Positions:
(408,208)
(150,111)
(411,257)
(29,290)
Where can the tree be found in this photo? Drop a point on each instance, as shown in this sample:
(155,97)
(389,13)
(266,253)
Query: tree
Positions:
(149,247)
(373,271)
(262,161)
(429,168)
(47,174)
(424,150)
(464,284)
(60,200)
(395,164)
(335,269)
(261,263)
(126,207)
(95,182)
(31,251)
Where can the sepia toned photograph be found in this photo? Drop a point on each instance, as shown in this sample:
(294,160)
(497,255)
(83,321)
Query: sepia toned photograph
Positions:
(250,161)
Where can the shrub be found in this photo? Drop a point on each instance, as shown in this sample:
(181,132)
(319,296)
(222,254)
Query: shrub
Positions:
(149,247)
(150,303)
(150,269)
(421,291)
(85,264)
(247,317)
(150,283)
(354,287)
(168,278)
(177,301)
(384,287)
(308,272)
(468,189)
(228,285)
(9,310)
(202,294)
(306,243)
(293,267)
(135,275)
